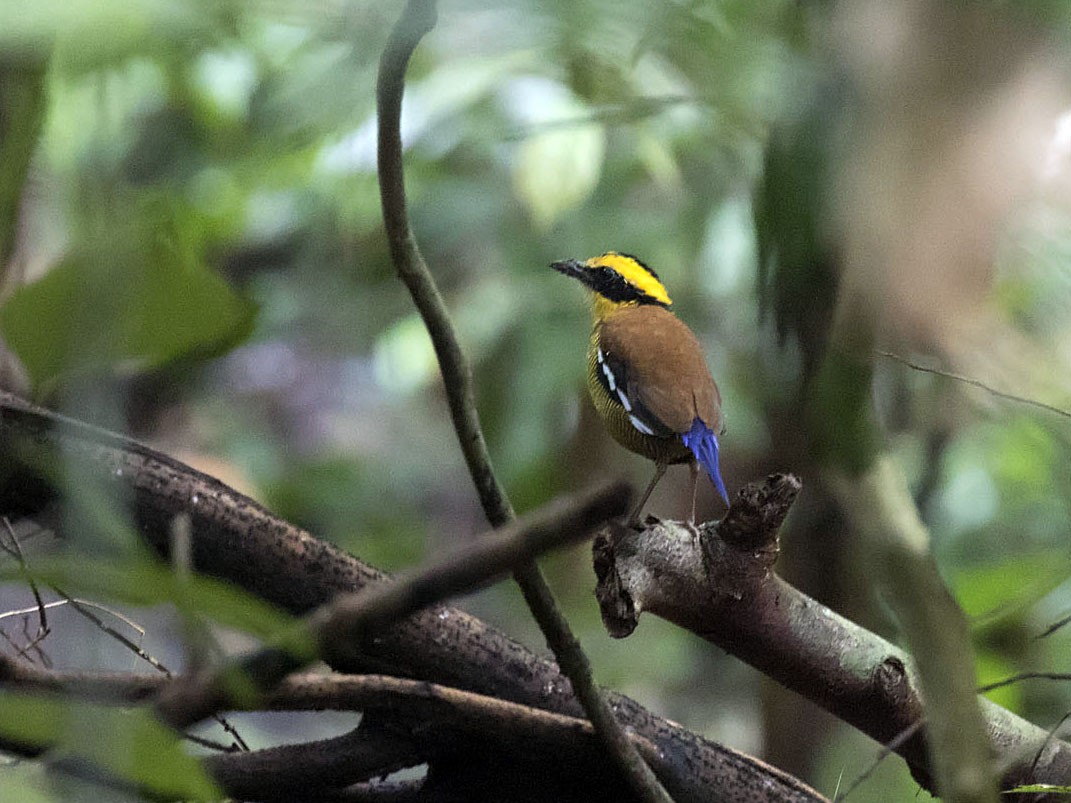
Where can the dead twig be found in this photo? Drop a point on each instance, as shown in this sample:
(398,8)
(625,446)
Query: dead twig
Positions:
(966,380)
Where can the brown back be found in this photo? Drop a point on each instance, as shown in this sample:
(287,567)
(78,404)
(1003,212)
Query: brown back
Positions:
(667,372)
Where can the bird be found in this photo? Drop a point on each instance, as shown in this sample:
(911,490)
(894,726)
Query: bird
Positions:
(647,374)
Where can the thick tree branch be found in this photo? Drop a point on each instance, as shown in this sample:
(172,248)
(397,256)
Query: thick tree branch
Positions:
(727,594)
(287,772)
(234,538)
(340,628)
(417,19)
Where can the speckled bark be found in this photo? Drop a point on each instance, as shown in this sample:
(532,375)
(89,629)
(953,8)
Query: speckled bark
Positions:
(236,539)
(723,590)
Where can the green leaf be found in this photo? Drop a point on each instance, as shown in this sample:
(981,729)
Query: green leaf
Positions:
(130,745)
(556,171)
(29,782)
(405,357)
(22,111)
(996,591)
(132,295)
(557,168)
(99,32)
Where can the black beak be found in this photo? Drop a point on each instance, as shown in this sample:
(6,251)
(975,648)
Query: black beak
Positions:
(570,267)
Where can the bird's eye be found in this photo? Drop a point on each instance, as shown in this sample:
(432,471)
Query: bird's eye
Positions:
(615,279)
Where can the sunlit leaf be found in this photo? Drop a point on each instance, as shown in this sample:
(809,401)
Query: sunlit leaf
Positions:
(659,161)
(135,297)
(133,746)
(996,591)
(557,167)
(991,667)
(556,171)
(404,357)
(103,30)
(28,782)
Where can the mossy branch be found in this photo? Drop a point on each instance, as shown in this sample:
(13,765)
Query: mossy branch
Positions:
(721,586)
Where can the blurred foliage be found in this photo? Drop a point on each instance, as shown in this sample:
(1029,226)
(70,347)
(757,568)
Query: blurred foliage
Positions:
(22,107)
(199,258)
(133,746)
(138,296)
(797,274)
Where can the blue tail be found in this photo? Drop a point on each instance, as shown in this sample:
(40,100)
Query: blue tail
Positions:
(704,445)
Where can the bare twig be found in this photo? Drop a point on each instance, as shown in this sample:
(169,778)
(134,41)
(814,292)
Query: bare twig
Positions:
(32,643)
(15,550)
(975,383)
(85,609)
(887,750)
(337,631)
(415,22)
(212,744)
(104,627)
(1021,676)
(1057,625)
(59,603)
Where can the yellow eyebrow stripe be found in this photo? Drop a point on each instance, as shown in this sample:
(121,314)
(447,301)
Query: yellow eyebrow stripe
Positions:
(634,273)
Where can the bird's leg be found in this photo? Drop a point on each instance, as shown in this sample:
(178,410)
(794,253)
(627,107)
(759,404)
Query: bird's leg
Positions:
(693,466)
(634,516)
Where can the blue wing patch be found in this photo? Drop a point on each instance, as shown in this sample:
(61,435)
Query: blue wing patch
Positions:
(704,445)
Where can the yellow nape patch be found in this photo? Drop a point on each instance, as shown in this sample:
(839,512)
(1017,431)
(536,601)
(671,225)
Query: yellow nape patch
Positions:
(634,273)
